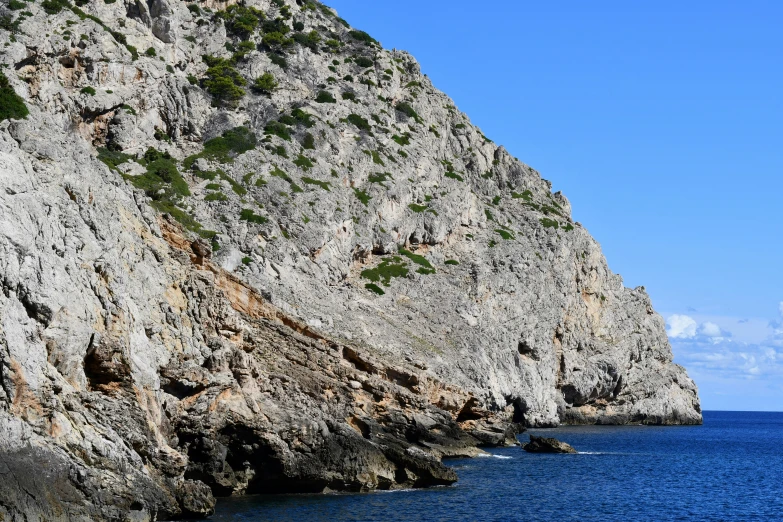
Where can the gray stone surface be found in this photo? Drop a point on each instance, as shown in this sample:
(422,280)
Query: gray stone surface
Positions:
(146,374)
(547,445)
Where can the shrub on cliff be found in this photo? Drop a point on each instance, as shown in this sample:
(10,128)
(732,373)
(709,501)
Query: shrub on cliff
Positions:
(276,40)
(225,148)
(277,25)
(360,122)
(231,143)
(275,128)
(242,50)
(162,182)
(265,83)
(325,97)
(223,81)
(278,60)
(363,37)
(408,110)
(11,104)
(53,7)
(309,40)
(240,20)
(364,62)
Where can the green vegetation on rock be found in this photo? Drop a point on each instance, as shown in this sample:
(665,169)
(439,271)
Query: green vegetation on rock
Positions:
(323,184)
(419,260)
(240,20)
(360,122)
(325,97)
(505,234)
(362,196)
(278,173)
(278,60)
(408,110)
(380,178)
(362,36)
(226,147)
(363,61)
(374,288)
(223,81)
(112,158)
(402,140)
(303,162)
(386,270)
(248,215)
(275,128)
(265,84)
(216,196)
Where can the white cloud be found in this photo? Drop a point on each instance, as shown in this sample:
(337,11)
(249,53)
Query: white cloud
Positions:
(751,351)
(780,308)
(711,330)
(682,327)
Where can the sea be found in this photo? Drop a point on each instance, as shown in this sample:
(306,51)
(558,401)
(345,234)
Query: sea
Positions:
(730,468)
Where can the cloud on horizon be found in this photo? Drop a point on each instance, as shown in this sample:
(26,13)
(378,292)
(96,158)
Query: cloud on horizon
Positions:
(686,327)
(708,350)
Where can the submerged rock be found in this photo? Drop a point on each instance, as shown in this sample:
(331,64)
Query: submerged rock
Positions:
(547,445)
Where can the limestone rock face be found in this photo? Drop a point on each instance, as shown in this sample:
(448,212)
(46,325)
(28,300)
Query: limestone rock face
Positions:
(347,284)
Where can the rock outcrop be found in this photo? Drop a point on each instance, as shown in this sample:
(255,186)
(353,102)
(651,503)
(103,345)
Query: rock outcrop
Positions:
(547,445)
(246,249)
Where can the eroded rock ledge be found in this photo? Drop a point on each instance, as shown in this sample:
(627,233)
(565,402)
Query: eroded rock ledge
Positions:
(268,405)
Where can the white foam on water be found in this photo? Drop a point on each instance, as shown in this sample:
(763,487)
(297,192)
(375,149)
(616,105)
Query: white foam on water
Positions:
(487,455)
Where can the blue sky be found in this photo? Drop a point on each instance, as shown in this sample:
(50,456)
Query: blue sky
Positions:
(663,124)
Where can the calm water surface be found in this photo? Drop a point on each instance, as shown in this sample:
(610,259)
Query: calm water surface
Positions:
(731,468)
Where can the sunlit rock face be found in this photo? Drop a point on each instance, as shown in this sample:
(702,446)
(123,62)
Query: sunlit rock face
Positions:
(248,251)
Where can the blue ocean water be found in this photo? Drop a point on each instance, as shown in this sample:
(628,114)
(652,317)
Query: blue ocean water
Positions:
(731,468)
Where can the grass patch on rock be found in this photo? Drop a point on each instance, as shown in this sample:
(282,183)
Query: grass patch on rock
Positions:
(323,184)
(278,173)
(419,260)
(372,287)
(226,147)
(505,234)
(12,106)
(526,195)
(303,162)
(359,122)
(362,196)
(387,270)
(247,214)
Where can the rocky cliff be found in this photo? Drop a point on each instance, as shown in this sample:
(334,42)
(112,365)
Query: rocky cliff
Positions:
(246,249)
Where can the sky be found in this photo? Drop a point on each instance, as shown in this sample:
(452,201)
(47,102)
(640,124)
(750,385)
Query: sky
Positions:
(662,122)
